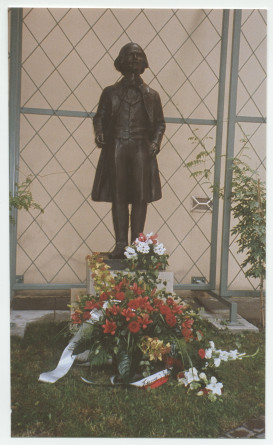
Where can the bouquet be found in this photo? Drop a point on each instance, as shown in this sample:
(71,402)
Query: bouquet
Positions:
(140,327)
(146,253)
(143,330)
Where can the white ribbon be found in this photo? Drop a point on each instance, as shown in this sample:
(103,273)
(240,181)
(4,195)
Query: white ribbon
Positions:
(67,357)
(147,381)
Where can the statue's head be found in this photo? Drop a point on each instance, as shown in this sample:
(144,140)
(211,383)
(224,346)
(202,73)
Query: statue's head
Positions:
(131,59)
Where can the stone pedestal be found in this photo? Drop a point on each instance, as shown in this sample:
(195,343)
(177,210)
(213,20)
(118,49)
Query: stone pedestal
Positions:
(120,266)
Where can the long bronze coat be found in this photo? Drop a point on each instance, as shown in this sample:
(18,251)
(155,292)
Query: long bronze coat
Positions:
(103,121)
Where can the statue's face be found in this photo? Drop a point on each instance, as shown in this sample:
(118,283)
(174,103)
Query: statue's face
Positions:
(134,59)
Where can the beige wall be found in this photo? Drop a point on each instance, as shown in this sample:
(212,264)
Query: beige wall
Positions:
(67,60)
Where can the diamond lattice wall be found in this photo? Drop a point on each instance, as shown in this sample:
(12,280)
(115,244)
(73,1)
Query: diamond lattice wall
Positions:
(67,60)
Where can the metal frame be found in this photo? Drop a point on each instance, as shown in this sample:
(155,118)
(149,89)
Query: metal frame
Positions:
(14,126)
(233,119)
(218,151)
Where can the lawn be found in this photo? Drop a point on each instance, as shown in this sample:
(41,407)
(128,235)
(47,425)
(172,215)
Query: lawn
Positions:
(71,408)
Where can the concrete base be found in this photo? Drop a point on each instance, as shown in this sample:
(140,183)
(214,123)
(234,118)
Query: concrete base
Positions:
(218,314)
(75,292)
(20,319)
(220,320)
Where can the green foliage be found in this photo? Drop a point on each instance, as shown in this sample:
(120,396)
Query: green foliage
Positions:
(248,207)
(124,365)
(23,198)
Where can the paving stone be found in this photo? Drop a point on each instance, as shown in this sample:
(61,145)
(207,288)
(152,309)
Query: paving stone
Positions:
(20,319)
(240,432)
(260,436)
(256,424)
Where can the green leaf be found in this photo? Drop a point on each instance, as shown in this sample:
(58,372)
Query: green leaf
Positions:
(123,362)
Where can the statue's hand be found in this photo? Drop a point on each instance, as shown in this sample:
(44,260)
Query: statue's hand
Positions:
(100,140)
(154,148)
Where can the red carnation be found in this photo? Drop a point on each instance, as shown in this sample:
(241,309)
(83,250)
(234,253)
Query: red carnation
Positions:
(134,327)
(169,361)
(120,296)
(202,353)
(165,310)
(86,315)
(170,320)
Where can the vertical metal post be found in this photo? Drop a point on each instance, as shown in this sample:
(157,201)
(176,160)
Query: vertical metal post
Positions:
(218,146)
(230,153)
(14,125)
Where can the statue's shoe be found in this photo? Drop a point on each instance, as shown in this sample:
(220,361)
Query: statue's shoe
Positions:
(117,253)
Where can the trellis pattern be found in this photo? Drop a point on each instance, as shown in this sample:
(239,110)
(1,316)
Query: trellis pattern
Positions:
(67,60)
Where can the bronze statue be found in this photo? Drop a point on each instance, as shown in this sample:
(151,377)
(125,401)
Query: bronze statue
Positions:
(129,126)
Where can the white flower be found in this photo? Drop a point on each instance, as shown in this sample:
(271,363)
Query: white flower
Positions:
(214,386)
(211,343)
(148,236)
(217,362)
(130,253)
(208,353)
(142,247)
(202,376)
(191,376)
(200,393)
(224,355)
(159,249)
(233,354)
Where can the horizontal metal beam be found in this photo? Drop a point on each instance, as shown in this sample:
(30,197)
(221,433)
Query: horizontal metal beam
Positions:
(251,119)
(84,114)
(240,293)
(48,286)
(58,286)
(206,287)
(189,121)
(49,112)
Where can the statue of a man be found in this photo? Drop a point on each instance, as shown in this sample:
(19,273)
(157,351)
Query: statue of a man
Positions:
(129,126)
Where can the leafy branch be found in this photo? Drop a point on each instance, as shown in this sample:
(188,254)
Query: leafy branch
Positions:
(23,198)
(248,207)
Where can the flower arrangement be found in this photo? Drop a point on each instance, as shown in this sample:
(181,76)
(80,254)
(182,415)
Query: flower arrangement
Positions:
(144,330)
(146,253)
(133,322)
(204,382)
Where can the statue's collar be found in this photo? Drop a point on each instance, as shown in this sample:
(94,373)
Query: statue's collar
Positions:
(136,82)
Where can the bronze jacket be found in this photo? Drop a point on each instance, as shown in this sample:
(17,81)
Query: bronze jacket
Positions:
(110,101)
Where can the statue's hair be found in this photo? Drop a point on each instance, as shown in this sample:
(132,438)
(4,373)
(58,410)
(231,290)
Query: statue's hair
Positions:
(119,62)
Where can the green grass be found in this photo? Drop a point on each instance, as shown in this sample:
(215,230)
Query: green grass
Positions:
(71,408)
